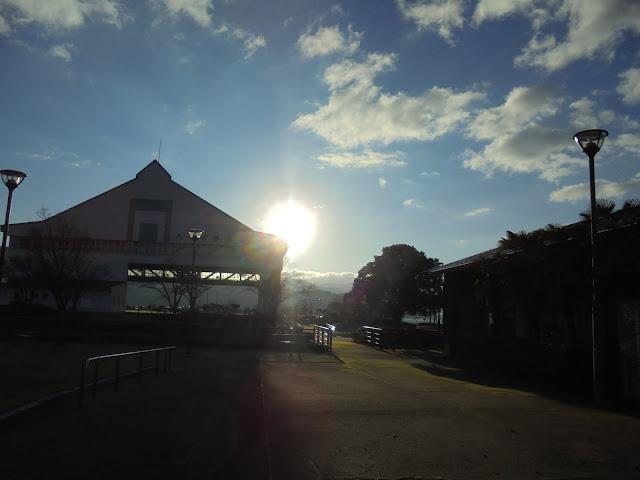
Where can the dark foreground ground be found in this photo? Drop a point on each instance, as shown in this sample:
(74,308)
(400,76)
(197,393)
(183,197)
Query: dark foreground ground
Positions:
(362,414)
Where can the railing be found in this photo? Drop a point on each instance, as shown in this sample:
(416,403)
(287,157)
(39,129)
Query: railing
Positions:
(323,336)
(393,338)
(116,357)
(374,336)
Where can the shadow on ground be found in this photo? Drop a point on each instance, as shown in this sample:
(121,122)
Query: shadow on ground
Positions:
(509,377)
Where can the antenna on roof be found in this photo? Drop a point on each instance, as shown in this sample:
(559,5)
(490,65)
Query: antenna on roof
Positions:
(159,148)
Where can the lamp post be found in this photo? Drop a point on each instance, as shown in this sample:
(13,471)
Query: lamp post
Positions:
(11,178)
(194,234)
(591,141)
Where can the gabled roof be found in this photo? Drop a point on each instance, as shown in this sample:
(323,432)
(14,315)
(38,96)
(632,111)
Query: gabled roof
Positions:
(153,168)
(465,261)
(152,174)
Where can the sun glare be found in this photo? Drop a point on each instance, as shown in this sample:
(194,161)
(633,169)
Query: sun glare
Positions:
(292,222)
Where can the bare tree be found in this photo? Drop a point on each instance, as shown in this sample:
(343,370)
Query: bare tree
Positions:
(291,285)
(24,276)
(170,284)
(173,284)
(195,288)
(58,259)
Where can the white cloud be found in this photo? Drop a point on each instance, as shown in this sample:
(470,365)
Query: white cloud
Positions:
(368,159)
(430,174)
(478,211)
(412,203)
(62,51)
(193,127)
(586,114)
(85,163)
(198,10)
(560,165)
(5,28)
(382,182)
(534,148)
(604,189)
(440,16)
(252,42)
(628,142)
(594,28)
(359,113)
(61,14)
(201,12)
(519,141)
(328,40)
(629,87)
(522,106)
(54,153)
(332,281)
(497,9)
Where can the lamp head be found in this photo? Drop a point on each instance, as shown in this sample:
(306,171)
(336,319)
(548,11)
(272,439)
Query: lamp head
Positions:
(12,178)
(195,234)
(591,141)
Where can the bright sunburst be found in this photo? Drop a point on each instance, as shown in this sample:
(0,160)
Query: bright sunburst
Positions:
(292,222)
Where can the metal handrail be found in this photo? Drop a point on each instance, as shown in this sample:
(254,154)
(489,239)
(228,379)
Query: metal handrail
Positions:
(323,336)
(116,378)
(375,336)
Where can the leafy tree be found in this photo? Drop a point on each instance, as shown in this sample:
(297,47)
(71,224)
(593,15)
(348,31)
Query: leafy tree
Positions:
(397,282)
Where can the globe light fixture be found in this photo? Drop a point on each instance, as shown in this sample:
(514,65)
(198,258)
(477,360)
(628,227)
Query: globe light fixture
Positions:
(11,178)
(591,141)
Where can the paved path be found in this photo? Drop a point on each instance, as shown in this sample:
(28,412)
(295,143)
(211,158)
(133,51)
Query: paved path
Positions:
(364,415)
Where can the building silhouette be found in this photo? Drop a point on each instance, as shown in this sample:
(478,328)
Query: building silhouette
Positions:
(138,232)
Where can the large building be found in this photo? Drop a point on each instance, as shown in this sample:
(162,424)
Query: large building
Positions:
(139,232)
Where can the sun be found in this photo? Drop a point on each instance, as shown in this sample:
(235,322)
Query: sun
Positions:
(294,223)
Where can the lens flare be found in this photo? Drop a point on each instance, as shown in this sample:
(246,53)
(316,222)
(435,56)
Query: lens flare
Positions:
(294,223)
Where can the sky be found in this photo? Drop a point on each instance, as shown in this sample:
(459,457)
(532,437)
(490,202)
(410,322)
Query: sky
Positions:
(439,124)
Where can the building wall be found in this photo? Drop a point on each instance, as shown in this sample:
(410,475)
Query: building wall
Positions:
(146,221)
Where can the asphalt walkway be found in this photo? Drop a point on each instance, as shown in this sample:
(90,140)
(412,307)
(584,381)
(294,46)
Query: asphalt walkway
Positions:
(362,414)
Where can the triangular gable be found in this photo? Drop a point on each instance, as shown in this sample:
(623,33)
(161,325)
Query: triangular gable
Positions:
(110,215)
(153,169)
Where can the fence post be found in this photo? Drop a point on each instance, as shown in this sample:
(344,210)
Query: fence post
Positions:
(95,378)
(82,379)
(116,378)
(140,364)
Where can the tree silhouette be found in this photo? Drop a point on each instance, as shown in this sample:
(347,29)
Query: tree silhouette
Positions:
(58,259)
(291,285)
(397,282)
(549,269)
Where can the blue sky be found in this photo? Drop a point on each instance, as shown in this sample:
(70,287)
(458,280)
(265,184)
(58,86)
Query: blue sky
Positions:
(440,124)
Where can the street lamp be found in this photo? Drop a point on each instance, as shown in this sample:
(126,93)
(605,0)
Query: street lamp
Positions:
(11,178)
(194,234)
(591,141)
